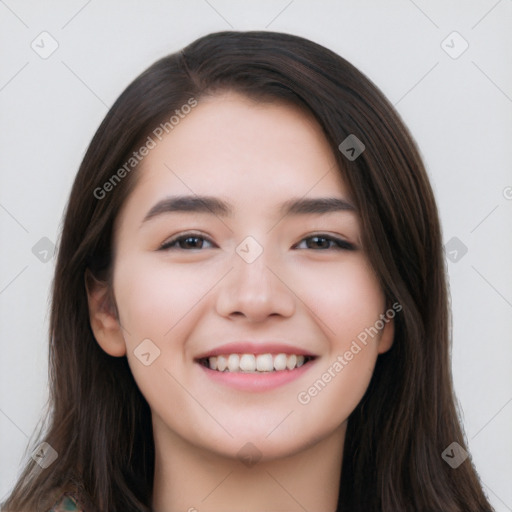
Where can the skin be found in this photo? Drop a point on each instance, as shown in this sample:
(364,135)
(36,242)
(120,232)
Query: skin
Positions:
(186,301)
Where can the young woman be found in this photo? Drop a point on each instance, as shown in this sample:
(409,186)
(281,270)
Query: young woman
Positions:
(249,307)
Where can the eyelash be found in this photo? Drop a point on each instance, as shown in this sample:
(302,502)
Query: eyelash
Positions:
(339,243)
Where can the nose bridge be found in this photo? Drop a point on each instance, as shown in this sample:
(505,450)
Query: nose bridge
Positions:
(251,275)
(252,289)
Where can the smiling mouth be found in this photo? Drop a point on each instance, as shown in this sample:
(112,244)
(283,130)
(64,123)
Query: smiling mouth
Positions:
(252,363)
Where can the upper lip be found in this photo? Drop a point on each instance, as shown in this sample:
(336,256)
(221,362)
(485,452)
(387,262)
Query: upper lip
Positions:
(255,347)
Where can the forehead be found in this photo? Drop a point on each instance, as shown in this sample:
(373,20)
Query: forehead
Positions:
(249,153)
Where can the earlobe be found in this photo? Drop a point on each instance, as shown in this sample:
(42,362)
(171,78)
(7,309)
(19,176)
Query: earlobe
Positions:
(387,337)
(102,316)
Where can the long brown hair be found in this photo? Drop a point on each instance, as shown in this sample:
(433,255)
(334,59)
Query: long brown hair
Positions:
(99,422)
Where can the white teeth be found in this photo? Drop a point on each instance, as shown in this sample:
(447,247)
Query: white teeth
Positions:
(255,363)
(280,362)
(222,363)
(247,363)
(264,363)
(291,362)
(233,362)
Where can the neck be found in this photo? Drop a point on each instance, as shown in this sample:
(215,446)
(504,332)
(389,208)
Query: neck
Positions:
(192,479)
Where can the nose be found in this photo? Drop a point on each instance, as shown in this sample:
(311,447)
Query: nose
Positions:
(255,291)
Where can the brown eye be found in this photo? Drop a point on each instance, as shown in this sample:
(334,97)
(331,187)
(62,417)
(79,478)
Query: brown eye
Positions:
(318,242)
(186,242)
(324,242)
(191,242)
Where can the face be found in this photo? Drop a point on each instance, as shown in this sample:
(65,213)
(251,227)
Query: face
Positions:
(240,246)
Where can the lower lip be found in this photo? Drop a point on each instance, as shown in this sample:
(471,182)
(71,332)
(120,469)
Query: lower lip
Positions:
(264,381)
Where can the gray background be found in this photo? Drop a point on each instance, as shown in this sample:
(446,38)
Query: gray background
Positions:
(457,105)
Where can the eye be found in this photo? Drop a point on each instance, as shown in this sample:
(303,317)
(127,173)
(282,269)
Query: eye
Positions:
(185,242)
(324,242)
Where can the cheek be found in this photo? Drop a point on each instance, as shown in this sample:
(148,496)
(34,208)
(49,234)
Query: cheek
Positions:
(153,296)
(156,302)
(159,302)
(346,301)
(345,297)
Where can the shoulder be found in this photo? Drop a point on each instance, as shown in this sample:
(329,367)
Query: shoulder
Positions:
(67,503)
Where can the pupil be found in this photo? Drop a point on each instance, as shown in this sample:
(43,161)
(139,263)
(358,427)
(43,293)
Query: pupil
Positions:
(192,241)
(319,241)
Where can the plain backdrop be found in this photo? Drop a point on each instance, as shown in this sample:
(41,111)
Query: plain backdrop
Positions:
(457,102)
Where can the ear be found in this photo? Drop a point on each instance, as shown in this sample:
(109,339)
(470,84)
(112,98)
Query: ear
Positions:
(388,333)
(103,317)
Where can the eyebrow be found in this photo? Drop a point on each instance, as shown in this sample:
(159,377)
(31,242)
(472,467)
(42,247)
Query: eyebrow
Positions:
(317,205)
(214,206)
